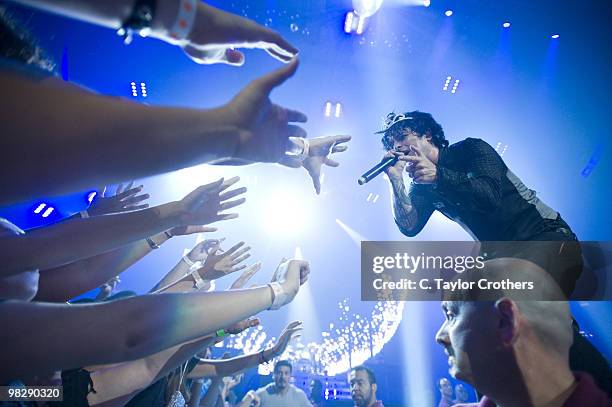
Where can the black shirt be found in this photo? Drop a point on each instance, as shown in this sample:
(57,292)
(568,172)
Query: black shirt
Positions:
(476,189)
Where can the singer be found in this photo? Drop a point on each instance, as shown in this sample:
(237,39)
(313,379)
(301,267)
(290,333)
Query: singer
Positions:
(470,184)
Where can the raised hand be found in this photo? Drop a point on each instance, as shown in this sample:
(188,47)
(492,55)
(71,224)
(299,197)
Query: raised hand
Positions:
(123,200)
(289,275)
(245,276)
(290,332)
(217,33)
(205,204)
(218,264)
(318,155)
(201,250)
(264,127)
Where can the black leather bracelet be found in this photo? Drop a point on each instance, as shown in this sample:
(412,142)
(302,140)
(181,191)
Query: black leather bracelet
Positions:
(139,21)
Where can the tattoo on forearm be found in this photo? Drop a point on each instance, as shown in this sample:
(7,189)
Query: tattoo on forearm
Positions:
(403,210)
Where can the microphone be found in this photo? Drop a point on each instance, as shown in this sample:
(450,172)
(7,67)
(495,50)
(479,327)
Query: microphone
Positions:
(377,169)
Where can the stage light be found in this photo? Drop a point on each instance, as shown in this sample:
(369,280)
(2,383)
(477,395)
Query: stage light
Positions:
(455,86)
(48,212)
(338,109)
(40,207)
(360,25)
(348,22)
(143,89)
(366,8)
(328,106)
(286,213)
(555,36)
(448,13)
(134,91)
(91,196)
(446,83)
(506,24)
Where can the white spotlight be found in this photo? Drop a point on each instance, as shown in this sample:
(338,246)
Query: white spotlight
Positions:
(286,212)
(366,8)
(338,109)
(47,212)
(348,22)
(448,13)
(360,25)
(40,207)
(328,106)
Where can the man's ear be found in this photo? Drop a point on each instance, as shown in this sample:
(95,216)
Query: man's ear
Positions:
(374,387)
(508,316)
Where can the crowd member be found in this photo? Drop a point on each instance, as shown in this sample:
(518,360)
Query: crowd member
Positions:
(63,242)
(278,394)
(179,316)
(515,351)
(363,386)
(89,272)
(248,129)
(446,392)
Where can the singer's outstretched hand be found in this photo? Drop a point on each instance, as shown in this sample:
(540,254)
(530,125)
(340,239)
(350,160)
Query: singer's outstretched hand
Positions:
(318,154)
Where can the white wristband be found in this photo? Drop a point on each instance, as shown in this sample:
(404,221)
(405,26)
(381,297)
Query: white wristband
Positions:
(280,296)
(189,262)
(199,281)
(300,148)
(184,21)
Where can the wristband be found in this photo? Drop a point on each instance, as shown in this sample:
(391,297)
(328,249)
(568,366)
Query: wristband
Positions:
(198,280)
(280,296)
(84,214)
(184,20)
(152,244)
(262,356)
(189,262)
(300,147)
(221,333)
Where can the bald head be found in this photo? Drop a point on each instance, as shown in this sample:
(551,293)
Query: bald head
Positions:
(538,298)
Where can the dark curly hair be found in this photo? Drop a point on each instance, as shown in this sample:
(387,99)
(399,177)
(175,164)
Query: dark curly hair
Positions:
(421,123)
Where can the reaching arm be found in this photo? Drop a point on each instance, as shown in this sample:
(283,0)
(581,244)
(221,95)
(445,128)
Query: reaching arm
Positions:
(63,144)
(227,367)
(76,239)
(213,38)
(127,379)
(128,329)
(62,283)
(116,331)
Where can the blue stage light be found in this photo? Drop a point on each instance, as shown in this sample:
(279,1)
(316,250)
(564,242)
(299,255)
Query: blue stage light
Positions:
(506,24)
(448,13)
